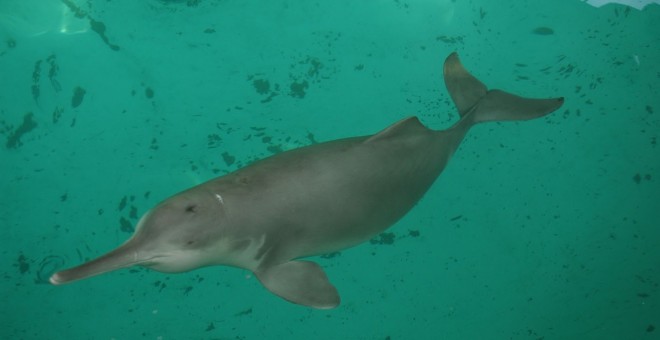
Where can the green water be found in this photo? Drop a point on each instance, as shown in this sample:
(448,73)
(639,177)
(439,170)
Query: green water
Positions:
(546,229)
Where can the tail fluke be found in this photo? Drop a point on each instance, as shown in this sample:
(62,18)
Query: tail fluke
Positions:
(473,99)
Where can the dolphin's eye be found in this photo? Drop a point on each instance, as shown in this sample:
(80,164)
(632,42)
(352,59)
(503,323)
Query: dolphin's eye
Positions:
(191,208)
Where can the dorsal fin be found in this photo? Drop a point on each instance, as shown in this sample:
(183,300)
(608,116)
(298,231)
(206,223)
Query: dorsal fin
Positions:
(405,126)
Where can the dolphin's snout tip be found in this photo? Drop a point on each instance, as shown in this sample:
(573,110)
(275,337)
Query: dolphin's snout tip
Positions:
(55,279)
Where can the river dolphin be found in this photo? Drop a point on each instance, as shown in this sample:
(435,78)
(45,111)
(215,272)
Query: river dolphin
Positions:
(308,201)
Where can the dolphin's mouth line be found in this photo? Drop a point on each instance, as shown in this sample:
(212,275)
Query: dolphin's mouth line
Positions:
(146,262)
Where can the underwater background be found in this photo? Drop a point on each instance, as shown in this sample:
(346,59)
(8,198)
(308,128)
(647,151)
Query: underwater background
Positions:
(546,229)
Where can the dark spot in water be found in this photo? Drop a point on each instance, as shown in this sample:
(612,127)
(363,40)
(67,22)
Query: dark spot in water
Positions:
(275,148)
(383,238)
(78,96)
(99,28)
(449,40)
(229,159)
(125,225)
(261,85)
(57,114)
(77,11)
(210,327)
(14,139)
(414,233)
(53,71)
(191,208)
(244,312)
(23,264)
(213,140)
(122,203)
(133,212)
(149,92)
(637,178)
(650,328)
(298,89)
(311,138)
(543,31)
(36,75)
(161,285)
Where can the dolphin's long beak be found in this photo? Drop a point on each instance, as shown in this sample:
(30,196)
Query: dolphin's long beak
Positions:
(122,257)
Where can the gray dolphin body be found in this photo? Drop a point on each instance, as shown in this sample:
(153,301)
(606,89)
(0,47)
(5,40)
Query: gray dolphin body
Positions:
(308,201)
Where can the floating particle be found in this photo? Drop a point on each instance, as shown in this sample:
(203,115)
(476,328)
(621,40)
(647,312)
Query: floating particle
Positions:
(298,89)
(543,31)
(36,75)
(154,144)
(23,264)
(244,312)
(383,238)
(122,203)
(14,139)
(133,213)
(57,114)
(78,96)
(52,73)
(229,159)
(262,86)
(125,225)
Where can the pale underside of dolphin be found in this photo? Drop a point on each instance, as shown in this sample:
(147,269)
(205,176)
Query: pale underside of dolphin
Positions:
(308,201)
